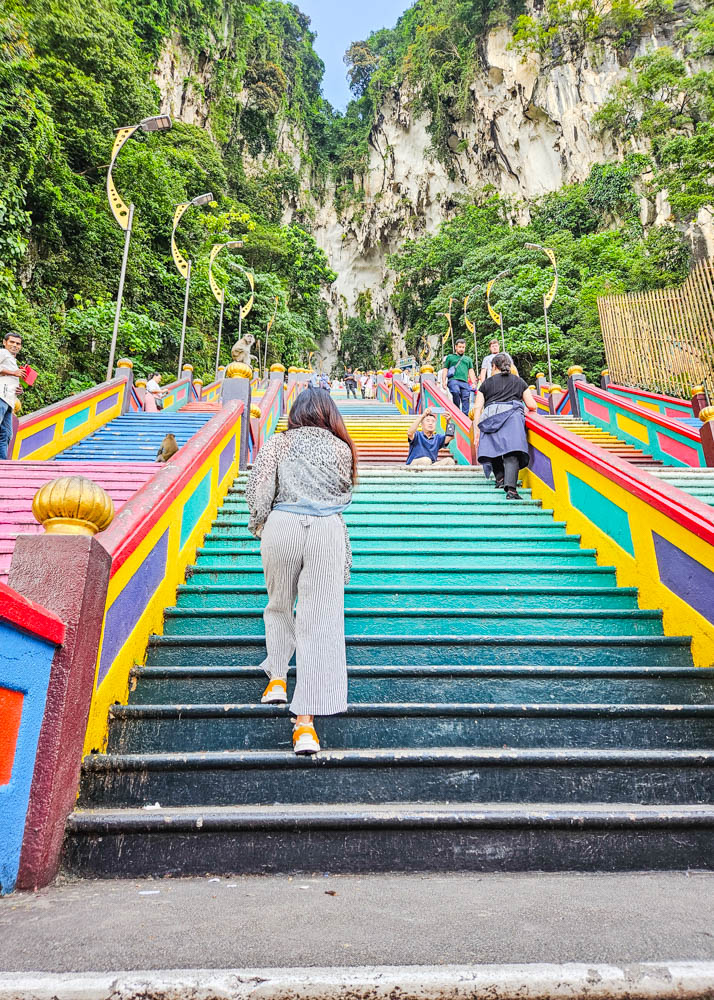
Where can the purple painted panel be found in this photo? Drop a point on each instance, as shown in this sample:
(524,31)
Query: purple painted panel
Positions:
(107,403)
(226,459)
(686,577)
(541,466)
(36,440)
(129,606)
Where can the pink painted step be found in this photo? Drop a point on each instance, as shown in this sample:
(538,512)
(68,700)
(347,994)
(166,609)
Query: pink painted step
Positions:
(19,481)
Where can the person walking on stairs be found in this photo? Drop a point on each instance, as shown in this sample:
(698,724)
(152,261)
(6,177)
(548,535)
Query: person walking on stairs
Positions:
(500,434)
(301,483)
(458,376)
(351,383)
(424,445)
(10,388)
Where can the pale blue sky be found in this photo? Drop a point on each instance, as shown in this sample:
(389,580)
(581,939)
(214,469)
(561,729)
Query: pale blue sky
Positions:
(340,22)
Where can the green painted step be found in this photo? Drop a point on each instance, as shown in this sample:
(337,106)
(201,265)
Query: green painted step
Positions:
(674,651)
(379,595)
(408,537)
(653,685)
(404,562)
(156,728)
(363,837)
(429,621)
(257,777)
(467,549)
(376,508)
(497,518)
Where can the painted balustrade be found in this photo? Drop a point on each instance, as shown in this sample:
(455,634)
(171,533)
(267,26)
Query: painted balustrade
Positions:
(654,402)
(660,539)
(403,396)
(384,388)
(265,414)
(30,636)
(666,439)
(46,432)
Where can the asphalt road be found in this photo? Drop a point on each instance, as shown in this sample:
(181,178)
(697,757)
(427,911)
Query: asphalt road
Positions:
(319,920)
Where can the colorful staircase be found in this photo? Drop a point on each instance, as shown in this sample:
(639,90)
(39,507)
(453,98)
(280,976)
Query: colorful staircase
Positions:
(19,481)
(379,430)
(697,482)
(604,439)
(137,437)
(511,708)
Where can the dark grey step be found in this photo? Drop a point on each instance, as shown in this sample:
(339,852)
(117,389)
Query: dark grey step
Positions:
(156,728)
(394,837)
(183,685)
(398,775)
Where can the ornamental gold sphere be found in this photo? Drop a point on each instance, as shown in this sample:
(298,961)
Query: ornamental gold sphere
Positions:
(237,370)
(575,370)
(17,408)
(187,368)
(277,368)
(605,371)
(140,383)
(73,505)
(198,382)
(706,414)
(540,375)
(125,363)
(697,389)
(292,370)
(427,369)
(554,388)
(254,410)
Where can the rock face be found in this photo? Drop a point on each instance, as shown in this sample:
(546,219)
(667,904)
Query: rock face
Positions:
(527,131)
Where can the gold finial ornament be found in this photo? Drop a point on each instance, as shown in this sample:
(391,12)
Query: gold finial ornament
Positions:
(237,370)
(706,414)
(187,368)
(575,370)
(198,381)
(140,383)
(255,410)
(554,388)
(427,369)
(277,368)
(73,505)
(292,370)
(540,374)
(697,389)
(17,408)
(125,363)
(532,388)
(605,371)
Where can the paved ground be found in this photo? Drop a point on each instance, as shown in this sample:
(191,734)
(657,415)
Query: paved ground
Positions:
(275,921)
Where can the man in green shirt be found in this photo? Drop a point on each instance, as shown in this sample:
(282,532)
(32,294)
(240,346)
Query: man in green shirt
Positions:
(458,376)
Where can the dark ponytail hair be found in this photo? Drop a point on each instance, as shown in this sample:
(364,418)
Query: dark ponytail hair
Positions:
(502,363)
(315,408)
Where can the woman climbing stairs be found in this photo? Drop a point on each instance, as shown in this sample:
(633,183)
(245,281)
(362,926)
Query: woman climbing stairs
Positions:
(510,709)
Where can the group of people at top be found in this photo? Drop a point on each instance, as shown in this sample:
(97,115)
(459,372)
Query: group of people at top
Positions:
(366,382)
(502,398)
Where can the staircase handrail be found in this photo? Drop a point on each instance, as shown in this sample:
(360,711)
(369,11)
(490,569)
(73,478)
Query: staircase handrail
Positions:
(263,427)
(659,538)
(211,391)
(48,431)
(175,395)
(403,395)
(384,386)
(685,442)
(463,443)
(658,397)
(681,507)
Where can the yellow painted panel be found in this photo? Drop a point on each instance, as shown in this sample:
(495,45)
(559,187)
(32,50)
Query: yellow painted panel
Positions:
(646,405)
(632,427)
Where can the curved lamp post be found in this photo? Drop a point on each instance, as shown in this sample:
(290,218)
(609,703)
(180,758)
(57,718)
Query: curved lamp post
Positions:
(220,293)
(547,298)
(124,214)
(496,316)
(471,327)
(184,266)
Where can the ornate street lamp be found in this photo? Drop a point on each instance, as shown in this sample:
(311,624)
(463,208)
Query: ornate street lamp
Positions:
(125,214)
(547,298)
(184,266)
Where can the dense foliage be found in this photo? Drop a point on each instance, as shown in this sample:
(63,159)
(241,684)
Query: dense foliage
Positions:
(72,71)
(592,261)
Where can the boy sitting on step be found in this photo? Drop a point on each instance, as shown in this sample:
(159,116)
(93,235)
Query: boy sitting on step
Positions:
(425,444)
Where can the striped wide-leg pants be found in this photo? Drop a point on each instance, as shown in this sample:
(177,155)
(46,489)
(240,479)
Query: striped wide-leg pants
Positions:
(304,558)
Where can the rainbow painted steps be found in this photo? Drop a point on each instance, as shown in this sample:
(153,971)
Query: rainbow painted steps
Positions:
(606,440)
(136,437)
(699,483)
(379,430)
(510,709)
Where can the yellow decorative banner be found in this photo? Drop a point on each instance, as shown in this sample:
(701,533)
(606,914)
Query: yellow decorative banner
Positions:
(119,208)
(495,316)
(450,328)
(249,304)
(471,327)
(179,259)
(548,299)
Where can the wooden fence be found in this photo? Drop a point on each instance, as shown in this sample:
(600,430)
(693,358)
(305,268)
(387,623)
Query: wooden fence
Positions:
(663,340)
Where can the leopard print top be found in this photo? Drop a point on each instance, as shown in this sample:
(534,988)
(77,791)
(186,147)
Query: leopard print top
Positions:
(306,463)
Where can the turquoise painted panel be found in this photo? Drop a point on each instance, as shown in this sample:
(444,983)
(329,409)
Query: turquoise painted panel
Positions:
(603,513)
(194,508)
(75,420)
